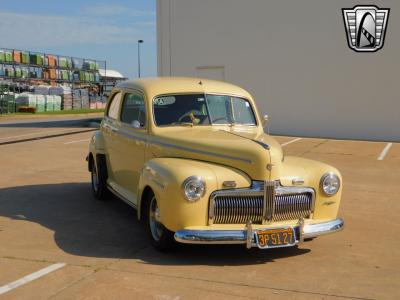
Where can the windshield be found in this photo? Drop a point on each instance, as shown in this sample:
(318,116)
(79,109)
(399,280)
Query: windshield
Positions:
(200,109)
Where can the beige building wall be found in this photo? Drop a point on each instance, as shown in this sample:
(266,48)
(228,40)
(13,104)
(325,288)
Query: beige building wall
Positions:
(293,57)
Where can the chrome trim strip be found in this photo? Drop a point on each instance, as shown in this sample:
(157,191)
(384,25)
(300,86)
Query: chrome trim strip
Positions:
(241,237)
(264,145)
(211,209)
(269,201)
(124,132)
(201,151)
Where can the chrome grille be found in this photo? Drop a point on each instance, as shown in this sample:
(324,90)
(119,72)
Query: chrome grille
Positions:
(292,207)
(238,210)
(262,203)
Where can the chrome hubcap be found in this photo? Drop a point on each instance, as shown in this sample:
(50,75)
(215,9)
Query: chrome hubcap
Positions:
(156,227)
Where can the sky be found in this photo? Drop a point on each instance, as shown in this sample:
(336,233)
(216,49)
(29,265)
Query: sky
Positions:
(103,30)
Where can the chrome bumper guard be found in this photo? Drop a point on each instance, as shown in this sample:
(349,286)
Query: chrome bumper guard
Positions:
(246,236)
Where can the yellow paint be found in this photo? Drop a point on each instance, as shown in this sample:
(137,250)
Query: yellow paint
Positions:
(217,153)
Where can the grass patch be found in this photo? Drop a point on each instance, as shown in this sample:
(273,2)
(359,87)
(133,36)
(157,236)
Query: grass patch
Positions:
(60,112)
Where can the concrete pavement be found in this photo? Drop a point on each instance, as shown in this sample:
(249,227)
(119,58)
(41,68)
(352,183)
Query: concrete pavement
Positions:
(48,216)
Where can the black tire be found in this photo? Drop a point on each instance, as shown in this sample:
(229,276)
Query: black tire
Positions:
(99,177)
(160,237)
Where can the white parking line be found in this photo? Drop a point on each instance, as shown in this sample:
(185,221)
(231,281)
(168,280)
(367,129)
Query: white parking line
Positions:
(292,141)
(8,287)
(385,151)
(79,141)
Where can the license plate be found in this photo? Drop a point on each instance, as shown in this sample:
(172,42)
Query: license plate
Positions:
(274,238)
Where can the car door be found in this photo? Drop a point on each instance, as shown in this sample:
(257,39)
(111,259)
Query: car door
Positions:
(109,129)
(131,144)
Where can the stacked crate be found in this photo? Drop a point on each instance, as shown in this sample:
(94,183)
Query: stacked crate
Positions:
(50,74)
(25,57)
(85,98)
(56,103)
(7,103)
(6,56)
(76,99)
(49,102)
(51,60)
(35,72)
(65,62)
(26,99)
(65,93)
(40,103)
(77,63)
(41,90)
(37,59)
(17,56)
(18,72)
(9,71)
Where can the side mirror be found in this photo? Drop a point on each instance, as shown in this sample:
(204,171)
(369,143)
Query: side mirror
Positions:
(265,120)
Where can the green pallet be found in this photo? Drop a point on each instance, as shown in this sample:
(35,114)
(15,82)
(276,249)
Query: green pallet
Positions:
(11,107)
(18,73)
(25,73)
(25,57)
(37,59)
(10,72)
(2,56)
(82,75)
(8,57)
(65,62)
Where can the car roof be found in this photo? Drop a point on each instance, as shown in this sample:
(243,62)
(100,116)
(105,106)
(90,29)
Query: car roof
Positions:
(170,85)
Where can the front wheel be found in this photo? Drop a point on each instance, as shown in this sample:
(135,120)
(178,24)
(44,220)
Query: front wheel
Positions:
(99,179)
(161,238)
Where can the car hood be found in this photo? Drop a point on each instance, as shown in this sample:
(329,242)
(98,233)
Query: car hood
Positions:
(250,151)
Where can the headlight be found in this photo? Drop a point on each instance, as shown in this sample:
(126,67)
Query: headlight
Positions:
(330,184)
(194,188)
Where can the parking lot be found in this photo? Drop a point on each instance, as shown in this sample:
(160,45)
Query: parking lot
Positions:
(86,249)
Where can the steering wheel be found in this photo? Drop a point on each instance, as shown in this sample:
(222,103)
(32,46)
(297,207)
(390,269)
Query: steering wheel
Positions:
(220,118)
(193,111)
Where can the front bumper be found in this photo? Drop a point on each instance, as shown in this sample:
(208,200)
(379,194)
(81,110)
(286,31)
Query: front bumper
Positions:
(246,236)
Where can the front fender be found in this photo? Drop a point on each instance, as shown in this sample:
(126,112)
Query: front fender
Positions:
(311,171)
(165,177)
(96,145)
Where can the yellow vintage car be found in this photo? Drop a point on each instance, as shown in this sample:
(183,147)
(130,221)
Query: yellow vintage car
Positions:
(191,156)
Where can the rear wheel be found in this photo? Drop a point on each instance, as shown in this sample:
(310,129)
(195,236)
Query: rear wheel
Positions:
(161,238)
(99,178)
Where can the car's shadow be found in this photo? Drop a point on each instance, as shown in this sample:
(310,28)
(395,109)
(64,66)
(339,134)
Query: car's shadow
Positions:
(76,122)
(86,227)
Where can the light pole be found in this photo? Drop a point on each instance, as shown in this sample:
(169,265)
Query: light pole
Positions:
(138,55)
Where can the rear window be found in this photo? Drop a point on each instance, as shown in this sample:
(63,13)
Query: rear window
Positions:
(114,105)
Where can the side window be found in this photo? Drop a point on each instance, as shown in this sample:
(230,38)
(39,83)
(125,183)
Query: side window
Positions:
(133,110)
(113,108)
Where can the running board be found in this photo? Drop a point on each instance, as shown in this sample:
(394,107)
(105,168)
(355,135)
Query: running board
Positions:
(121,197)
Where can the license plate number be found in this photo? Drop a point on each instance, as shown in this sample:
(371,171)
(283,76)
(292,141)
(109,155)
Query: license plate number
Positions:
(271,238)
